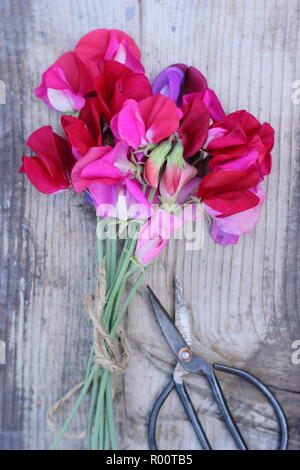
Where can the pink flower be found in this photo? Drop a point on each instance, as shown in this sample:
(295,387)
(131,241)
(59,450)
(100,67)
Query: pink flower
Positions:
(49,170)
(149,121)
(64,84)
(105,44)
(240,141)
(227,230)
(155,234)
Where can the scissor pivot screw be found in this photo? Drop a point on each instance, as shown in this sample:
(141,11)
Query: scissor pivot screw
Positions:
(185,355)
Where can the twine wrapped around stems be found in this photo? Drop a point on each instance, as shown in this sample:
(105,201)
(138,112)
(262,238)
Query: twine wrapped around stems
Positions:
(111,354)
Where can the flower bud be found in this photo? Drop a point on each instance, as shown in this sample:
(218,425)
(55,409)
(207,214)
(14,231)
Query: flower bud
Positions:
(177,173)
(155,161)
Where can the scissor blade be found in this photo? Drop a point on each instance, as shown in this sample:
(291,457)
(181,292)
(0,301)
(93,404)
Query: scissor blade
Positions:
(171,333)
(182,314)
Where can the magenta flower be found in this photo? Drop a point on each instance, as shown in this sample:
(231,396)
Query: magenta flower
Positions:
(108,176)
(148,121)
(124,200)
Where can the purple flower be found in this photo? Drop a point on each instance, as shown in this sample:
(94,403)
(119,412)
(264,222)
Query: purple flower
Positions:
(178,80)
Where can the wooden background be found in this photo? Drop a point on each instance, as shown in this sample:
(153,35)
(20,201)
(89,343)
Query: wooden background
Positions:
(244,298)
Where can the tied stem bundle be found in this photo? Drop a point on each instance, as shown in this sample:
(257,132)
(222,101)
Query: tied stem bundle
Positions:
(109,353)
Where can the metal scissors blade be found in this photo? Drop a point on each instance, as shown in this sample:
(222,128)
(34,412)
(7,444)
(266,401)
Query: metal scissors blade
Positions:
(173,336)
(182,314)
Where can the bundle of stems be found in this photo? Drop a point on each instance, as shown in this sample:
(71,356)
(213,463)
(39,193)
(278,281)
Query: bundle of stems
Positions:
(101,432)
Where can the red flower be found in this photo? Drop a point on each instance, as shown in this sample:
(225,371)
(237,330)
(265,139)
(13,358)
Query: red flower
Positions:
(239,141)
(117,83)
(228,191)
(84,132)
(194,125)
(105,44)
(49,170)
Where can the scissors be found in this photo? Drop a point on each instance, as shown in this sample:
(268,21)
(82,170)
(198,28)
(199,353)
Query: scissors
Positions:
(178,336)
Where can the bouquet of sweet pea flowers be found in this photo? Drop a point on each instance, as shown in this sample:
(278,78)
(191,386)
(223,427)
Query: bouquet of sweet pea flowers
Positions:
(150,158)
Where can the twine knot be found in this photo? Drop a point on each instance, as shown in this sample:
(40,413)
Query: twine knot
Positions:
(111,354)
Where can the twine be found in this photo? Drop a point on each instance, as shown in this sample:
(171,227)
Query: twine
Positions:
(111,354)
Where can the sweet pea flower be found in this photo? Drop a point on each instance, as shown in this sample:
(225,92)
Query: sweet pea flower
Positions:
(64,84)
(124,200)
(194,125)
(108,176)
(240,141)
(84,132)
(211,101)
(180,83)
(176,174)
(117,83)
(227,230)
(148,121)
(156,118)
(49,169)
(229,191)
(104,44)
(178,80)
(155,234)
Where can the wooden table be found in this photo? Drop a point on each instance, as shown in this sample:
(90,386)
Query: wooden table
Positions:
(244,298)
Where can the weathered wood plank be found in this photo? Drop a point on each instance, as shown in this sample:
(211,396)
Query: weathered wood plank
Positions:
(244,298)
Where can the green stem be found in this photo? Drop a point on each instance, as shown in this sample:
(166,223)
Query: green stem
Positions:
(151,194)
(106,445)
(97,439)
(127,302)
(116,306)
(100,246)
(75,408)
(113,261)
(110,417)
(95,390)
(115,288)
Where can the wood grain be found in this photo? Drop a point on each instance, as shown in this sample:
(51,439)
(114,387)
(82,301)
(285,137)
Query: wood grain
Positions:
(245,299)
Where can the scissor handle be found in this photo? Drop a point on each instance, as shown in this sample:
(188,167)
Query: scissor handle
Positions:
(154,414)
(283,428)
(224,410)
(189,409)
